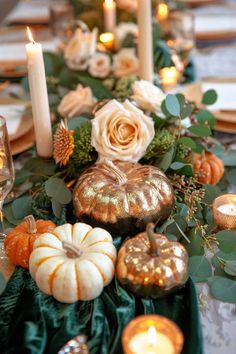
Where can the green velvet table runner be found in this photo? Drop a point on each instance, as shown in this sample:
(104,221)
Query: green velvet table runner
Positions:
(34,323)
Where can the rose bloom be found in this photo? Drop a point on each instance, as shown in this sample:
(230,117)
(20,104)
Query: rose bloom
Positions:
(80,48)
(121,131)
(128,5)
(147,96)
(76,102)
(99,65)
(125,62)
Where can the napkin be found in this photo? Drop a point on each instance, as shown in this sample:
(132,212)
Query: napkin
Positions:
(29,12)
(13,114)
(215,24)
(226,95)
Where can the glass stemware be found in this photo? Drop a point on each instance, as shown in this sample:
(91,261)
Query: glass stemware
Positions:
(6,177)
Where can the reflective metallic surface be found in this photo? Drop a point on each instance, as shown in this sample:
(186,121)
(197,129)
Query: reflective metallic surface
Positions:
(148,273)
(76,345)
(123,197)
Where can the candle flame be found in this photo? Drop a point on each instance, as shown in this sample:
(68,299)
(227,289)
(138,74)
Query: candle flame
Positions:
(108,3)
(152,336)
(162,11)
(30,36)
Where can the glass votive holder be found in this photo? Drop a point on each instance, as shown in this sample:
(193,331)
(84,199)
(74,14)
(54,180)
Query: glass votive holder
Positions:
(224,211)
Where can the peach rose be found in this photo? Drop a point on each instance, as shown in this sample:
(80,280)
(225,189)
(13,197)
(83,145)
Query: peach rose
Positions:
(99,65)
(125,62)
(121,131)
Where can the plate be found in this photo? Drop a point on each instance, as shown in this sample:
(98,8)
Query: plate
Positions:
(23,143)
(195,3)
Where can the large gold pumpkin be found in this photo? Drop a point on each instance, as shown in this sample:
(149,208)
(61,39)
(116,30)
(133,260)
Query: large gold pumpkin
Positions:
(152,266)
(123,197)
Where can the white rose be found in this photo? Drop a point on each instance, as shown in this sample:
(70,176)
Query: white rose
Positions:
(128,5)
(125,62)
(147,96)
(76,102)
(122,30)
(80,49)
(100,65)
(121,131)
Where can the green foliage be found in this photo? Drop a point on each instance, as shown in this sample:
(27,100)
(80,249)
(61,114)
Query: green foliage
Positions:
(199,268)
(123,87)
(183,152)
(160,145)
(209,97)
(223,289)
(84,152)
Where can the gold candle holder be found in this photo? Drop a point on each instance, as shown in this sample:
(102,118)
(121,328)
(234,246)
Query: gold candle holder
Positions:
(169,77)
(224,211)
(107,39)
(162,12)
(152,334)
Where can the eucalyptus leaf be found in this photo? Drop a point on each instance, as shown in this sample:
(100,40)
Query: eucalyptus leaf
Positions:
(76,122)
(226,240)
(211,192)
(177,165)
(209,97)
(172,105)
(195,248)
(188,142)
(21,176)
(53,63)
(186,111)
(199,130)
(223,289)
(181,100)
(199,268)
(99,90)
(167,159)
(206,116)
(8,214)
(22,207)
(57,190)
(231,176)
(229,158)
(57,208)
(230,268)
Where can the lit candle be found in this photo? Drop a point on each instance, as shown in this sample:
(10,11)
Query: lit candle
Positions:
(39,98)
(169,77)
(152,334)
(145,50)
(109,12)
(107,39)
(224,211)
(162,12)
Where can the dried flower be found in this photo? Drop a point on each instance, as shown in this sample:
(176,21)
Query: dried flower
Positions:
(63,146)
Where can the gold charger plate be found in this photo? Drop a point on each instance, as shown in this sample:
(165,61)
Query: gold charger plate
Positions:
(23,143)
(225,120)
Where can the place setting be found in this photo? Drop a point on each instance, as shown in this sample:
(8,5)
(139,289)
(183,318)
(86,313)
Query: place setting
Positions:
(117,179)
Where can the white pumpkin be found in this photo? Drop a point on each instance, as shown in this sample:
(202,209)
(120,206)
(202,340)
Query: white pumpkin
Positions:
(73,262)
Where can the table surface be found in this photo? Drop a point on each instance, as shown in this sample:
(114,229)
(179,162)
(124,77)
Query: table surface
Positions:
(218,318)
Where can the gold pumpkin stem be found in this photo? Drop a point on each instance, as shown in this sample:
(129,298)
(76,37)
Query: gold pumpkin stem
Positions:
(152,239)
(121,176)
(31,224)
(71,250)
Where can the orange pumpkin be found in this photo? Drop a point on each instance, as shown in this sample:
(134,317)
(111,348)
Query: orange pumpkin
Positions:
(19,242)
(208,168)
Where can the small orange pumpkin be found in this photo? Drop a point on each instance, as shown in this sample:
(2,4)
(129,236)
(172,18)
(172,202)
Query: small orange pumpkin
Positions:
(19,242)
(208,168)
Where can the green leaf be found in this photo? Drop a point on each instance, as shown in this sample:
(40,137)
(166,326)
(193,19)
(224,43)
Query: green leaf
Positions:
(76,122)
(186,111)
(230,268)
(223,289)
(167,159)
(177,165)
(99,90)
(199,130)
(229,158)
(199,268)
(57,208)
(209,97)
(53,63)
(206,116)
(21,176)
(195,248)
(40,166)
(231,176)
(57,190)
(181,100)
(188,142)
(211,192)
(227,241)
(22,207)
(172,105)
(8,214)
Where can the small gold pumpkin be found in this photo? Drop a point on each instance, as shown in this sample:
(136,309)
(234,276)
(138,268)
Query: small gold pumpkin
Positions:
(123,197)
(150,265)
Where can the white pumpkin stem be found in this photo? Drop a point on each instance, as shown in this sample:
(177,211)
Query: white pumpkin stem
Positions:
(120,176)
(31,224)
(152,239)
(71,250)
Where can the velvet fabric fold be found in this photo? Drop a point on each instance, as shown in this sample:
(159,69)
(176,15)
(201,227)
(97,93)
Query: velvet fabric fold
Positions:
(34,323)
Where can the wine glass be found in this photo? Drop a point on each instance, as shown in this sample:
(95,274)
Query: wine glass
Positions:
(6,177)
